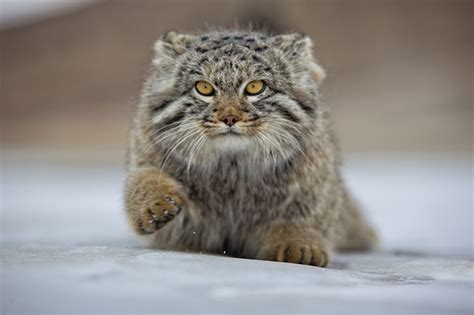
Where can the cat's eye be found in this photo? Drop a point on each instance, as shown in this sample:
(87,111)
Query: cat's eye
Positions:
(255,87)
(204,88)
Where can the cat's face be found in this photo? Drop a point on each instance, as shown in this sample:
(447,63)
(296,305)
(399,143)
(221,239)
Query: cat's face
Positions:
(233,93)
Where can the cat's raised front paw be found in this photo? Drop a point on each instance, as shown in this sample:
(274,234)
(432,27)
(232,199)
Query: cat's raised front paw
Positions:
(157,212)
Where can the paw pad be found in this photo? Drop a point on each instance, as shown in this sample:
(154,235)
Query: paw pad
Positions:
(160,211)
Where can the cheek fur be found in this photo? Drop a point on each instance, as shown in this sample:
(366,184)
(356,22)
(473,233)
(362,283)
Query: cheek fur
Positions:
(282,107)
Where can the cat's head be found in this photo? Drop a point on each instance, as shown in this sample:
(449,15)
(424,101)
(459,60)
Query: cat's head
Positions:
(225,93)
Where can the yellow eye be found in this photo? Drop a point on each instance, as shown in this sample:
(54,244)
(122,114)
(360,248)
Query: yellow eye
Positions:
(255,87)
(204,88)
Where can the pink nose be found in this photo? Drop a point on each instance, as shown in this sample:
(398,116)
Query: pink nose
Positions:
(230,120)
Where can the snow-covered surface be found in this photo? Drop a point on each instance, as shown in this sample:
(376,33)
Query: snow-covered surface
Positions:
(66,248)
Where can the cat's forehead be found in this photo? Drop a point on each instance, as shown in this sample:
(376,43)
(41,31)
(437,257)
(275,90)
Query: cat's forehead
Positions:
(213,41)
(230,59)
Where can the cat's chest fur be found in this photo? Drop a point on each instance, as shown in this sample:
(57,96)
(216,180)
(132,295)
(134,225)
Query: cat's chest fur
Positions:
(239,192)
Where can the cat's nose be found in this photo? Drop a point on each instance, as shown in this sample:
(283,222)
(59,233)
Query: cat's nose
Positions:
(229,120)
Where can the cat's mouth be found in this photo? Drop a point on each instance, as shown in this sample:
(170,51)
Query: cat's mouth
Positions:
(224,130)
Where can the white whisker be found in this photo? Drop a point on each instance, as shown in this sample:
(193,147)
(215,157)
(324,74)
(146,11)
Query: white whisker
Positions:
(198,145)
(176,146)
(295,143)
(168,133)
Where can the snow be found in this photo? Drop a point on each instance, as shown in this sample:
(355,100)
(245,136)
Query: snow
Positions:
(67,248)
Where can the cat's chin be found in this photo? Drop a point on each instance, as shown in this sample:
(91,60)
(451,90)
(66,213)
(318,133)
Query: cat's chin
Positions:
(231,143)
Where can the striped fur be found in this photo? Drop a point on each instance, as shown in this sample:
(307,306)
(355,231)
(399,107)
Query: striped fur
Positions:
(269,186)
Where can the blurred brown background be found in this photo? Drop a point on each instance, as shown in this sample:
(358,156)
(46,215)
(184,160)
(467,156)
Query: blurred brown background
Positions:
(400,73)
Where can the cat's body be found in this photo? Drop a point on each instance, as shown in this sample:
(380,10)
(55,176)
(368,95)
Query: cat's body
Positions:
(218,168)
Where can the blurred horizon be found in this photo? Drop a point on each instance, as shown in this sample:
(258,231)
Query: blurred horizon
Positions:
(399,73)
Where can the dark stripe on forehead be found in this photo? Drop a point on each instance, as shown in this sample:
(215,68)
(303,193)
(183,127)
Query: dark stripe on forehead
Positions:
(261,48)
(201,50)
(195,72)
(262,64)
(257,59)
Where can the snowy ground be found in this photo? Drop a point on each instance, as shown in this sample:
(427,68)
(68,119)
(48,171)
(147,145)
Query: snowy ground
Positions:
(66,248)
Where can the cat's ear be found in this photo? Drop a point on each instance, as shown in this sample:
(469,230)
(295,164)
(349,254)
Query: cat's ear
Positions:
(296,43)
(171,45)
(299,48)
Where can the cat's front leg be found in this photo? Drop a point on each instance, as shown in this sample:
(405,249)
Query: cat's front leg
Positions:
(153,199)
(294,243)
